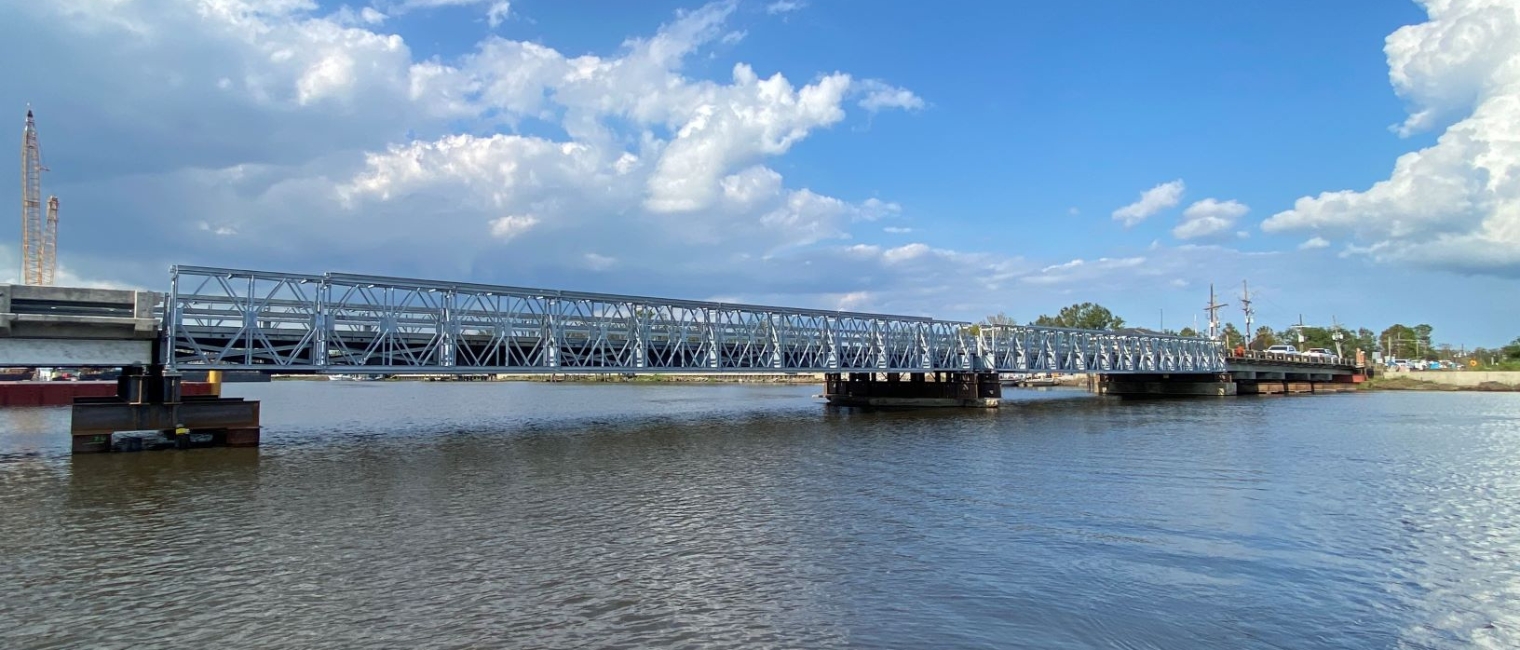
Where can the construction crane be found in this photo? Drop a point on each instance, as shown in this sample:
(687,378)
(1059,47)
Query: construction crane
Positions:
(39,239)
(50,243)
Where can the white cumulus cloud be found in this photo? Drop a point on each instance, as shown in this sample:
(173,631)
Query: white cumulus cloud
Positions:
(1314,243)
(496,10)
(1456,204)
(1080,270)
(1152,201)
(784,6)
(511,226)
(597,262)
(1208,218)
(880,95)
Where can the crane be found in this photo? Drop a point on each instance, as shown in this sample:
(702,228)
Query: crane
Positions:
(50,243)
(39,239)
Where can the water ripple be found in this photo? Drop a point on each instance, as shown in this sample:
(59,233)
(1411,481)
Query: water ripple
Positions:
(627,516)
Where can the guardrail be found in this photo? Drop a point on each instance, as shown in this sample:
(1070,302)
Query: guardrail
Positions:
(1294,358)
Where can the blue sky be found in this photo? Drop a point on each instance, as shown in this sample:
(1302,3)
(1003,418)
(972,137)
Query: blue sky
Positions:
(1355,160)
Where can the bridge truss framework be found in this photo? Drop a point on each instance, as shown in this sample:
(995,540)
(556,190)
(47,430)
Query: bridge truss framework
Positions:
(342,323)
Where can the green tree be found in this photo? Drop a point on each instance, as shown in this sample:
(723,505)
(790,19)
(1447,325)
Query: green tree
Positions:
(1365,340)
(1087,316)
(1424,344)
(1188,332)
(1400,341)
(1315,337)
(999,318)
(1265,338)
(1232,336)
(1512,351)
(1482,354)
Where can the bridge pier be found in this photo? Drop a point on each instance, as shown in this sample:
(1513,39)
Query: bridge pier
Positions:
(942,389)
(1167,385)
(149,402)
(1296,386)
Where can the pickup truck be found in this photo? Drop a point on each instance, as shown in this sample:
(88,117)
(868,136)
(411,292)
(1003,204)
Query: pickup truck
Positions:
(1323,354)
(1283,349)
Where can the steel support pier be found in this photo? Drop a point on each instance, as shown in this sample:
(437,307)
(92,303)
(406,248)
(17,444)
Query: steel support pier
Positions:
(962,389)
(150,412)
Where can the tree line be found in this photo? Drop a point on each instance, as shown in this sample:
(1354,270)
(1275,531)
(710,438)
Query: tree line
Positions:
(1397,341)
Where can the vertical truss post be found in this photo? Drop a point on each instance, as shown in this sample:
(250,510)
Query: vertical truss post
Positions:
(640,336)
(710,333)
(979,360)
(172,316)
(921,343)
(964,353)
(775,339)
(320,323)
(831,343)
(250,321)
(878,343)
(387,325)
(555,338)
(448,333)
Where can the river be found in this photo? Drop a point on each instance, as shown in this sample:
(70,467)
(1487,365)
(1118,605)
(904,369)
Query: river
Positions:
(470,515)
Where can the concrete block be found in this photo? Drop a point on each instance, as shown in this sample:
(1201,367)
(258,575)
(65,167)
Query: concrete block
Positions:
(74,353)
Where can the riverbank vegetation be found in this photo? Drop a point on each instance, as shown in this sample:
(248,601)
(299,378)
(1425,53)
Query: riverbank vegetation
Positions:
(1397,341)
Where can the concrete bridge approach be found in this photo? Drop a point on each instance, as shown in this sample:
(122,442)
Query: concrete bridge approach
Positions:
(229,319)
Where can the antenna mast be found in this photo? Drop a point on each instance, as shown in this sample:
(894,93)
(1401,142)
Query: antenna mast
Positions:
(38,241)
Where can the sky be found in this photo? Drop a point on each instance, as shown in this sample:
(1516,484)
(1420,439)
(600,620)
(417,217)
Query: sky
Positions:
(1356,162)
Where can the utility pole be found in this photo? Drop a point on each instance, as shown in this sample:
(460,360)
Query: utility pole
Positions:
(1213,310)
(1335,334)
(1245,304)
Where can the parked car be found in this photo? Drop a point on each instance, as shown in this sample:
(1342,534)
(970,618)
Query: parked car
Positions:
(1283,349)
(1320,354)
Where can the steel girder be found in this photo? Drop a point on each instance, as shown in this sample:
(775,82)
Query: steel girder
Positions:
(341,323)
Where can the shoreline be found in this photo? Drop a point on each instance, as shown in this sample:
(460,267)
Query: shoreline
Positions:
(1405,383)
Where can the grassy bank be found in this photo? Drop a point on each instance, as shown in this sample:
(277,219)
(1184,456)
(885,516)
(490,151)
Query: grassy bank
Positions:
(1402,382)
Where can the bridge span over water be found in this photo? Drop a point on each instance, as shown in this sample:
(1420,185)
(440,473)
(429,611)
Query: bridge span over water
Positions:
(335,323)
(342,323)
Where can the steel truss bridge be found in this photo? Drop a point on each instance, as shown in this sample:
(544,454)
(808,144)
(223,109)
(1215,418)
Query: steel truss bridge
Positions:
(342,323)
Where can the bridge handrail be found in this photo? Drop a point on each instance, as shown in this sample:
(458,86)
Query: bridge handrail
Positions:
(1290,357)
